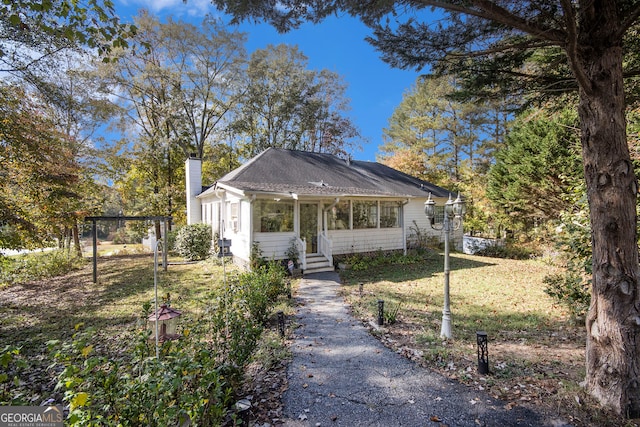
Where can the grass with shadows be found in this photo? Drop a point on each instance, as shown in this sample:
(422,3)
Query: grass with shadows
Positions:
(536,353)
(32,314)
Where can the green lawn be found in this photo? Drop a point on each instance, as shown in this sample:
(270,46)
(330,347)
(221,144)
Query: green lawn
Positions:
(503,297)
(536,351)
(31,314)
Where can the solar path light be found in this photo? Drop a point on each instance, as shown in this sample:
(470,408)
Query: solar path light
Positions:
(483,352)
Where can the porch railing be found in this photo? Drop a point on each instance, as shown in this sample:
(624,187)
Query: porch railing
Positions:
(302,250)
(325,247)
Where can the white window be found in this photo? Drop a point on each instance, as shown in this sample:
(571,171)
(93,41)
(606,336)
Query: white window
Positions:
(271,216)
(338,216)
(389,215)
(365,215)
(234,216)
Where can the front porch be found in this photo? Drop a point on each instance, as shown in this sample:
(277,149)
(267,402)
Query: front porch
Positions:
(316,255)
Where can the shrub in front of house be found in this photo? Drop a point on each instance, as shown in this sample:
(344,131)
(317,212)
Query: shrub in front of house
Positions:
(193,242)
(365,260)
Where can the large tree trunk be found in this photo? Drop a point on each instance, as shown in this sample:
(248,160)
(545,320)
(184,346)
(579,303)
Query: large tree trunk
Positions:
(613,321)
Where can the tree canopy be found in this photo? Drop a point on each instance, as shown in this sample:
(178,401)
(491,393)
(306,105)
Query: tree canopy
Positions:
(287,105)
(537,168)
(33,29)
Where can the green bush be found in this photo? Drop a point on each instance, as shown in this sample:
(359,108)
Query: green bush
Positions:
(193,242)
(184,384)
(194,379)
(572,287)
(35,266)
(171,240)
(364,261)
(570,290)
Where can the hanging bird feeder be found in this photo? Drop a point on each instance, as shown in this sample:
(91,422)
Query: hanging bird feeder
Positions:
(167,319)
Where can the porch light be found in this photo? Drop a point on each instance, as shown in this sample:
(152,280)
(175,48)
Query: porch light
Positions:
(453,213)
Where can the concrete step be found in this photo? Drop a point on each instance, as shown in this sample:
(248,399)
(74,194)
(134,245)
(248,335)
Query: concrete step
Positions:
(317,264)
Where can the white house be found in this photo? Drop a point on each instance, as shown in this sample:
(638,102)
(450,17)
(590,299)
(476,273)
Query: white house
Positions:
(319,202)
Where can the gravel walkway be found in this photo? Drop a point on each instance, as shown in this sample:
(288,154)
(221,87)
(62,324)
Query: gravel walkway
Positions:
(342,376)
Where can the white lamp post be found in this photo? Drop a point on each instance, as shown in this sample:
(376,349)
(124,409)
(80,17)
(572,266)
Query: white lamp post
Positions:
(453,213)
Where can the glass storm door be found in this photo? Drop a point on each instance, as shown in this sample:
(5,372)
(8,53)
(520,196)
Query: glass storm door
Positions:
(309,226)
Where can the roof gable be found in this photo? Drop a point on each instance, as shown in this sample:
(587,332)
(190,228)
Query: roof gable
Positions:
(305,173)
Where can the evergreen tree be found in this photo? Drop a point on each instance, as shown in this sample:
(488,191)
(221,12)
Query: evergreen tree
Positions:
(541,161)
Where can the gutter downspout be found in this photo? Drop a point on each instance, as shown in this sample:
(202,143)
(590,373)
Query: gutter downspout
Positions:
(251,200)
(404,229)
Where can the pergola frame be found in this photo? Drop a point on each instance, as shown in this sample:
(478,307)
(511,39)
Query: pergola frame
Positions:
(94,231)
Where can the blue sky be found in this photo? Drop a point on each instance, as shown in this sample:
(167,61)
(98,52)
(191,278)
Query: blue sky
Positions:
(337,44)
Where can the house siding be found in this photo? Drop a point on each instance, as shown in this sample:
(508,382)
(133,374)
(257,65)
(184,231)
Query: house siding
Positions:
(273,245)
(415,219)
(365,240)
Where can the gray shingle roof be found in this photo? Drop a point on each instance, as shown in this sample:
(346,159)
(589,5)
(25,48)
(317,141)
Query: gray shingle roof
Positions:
(304,173)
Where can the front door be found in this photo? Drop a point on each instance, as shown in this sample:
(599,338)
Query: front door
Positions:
(309,226)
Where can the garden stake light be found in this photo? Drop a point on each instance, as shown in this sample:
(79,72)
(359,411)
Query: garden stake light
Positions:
(453,213)
(380,312)
(281,323)
(483,352)
(361,287)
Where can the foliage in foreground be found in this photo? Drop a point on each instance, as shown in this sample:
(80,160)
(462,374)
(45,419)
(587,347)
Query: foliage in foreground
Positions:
(572,288)
(194,379)
(35,266)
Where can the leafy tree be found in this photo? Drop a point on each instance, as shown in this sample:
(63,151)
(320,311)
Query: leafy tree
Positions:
(204,67)
(40,42)
(537,49)
(217,161)
(288,106)
(450,142)
(38,172)
(533,174)
(31,30)
(175,85)
(444,133)
(78,111)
